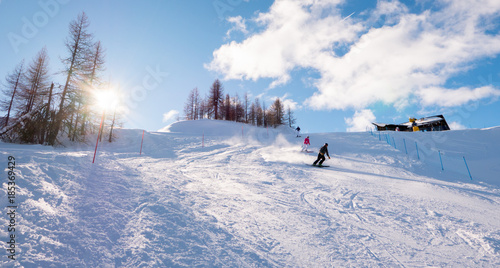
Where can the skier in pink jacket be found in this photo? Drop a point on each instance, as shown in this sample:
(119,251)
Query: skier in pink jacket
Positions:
(306,144)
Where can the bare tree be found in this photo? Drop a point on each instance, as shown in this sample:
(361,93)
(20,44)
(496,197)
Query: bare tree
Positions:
(227,109)
(192,106)
(36,83)
(289,117)
(202,109)
(238,111)
(246,104)
(252,115)
(215,98)
(94,65)
(265,121)
(77,45)
(276,113)
(114,121)
(259,113)
(14,83)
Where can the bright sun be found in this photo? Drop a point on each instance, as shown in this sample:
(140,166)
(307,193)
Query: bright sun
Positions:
(105,99)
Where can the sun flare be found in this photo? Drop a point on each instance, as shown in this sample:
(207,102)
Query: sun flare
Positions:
(106,99)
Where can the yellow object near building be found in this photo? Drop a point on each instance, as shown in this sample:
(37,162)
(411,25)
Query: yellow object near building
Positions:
(424,124)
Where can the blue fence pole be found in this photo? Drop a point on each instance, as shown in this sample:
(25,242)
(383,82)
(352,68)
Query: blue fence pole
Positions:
(404,141)
(395,147)
(441,160)
(418,155)
(467,168)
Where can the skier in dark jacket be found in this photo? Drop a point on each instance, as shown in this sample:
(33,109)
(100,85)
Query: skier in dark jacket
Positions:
(321,155)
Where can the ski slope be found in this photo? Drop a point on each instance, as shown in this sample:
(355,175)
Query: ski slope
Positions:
(246,198)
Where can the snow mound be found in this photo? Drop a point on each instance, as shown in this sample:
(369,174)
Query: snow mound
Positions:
(206,126)
(222,128)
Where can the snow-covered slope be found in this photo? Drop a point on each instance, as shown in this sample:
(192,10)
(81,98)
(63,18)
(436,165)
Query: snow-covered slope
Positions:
(246,198)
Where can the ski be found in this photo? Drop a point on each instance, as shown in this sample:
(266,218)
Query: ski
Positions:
(322,166)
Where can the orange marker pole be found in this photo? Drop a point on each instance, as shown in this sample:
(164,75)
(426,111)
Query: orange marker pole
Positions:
(142,141)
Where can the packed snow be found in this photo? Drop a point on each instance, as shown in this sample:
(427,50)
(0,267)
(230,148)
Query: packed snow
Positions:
(222,194)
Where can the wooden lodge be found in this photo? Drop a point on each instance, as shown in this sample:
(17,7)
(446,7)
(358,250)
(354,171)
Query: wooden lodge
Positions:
(432,123)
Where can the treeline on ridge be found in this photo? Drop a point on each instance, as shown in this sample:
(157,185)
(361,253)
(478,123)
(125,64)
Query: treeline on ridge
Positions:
(218,106)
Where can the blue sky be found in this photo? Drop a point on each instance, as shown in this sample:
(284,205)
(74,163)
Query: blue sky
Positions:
(339,64)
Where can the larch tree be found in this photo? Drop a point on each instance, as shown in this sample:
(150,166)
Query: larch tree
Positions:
(78,46)
(36,83)
(246,104)
(216,96)
(32,101)
(252,114)
(227,109)
(94,66)
(265,121)
(14,81)
(192,106)
(276,113)
(259,113)
(289,117)
(238,110)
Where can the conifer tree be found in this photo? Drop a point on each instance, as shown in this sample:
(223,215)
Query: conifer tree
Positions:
(192,106)
(36,83)
(252,114)
(226,109)
(289,117)
(276,113)
(14,81)
(78,46)
(246,104)
(94,65)
(215,98)
(259,113)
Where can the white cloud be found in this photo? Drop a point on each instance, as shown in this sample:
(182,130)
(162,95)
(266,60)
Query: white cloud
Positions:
(399,62)
(293,38)
(456,126)
(238,25)
(171,115)
(434,96)
(360,121)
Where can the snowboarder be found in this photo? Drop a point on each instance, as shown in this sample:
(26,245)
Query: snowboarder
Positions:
(306,144)
(298,131)
(321,155)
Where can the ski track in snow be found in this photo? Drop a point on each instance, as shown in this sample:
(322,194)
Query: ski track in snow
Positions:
(248,202)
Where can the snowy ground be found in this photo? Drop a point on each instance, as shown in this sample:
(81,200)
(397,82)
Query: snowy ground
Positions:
(248,199)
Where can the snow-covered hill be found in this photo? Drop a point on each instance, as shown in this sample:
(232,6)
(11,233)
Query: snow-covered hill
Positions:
(222,194)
